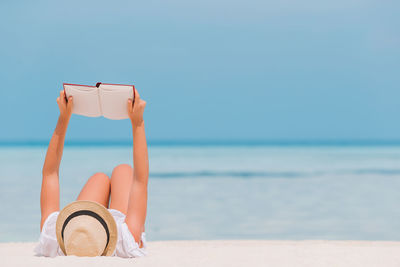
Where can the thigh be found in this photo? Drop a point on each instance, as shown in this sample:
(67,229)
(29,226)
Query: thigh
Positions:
(121,182)
(96,189)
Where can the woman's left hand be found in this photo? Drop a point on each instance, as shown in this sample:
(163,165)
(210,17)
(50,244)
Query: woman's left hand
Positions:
(64,106)
(136,109)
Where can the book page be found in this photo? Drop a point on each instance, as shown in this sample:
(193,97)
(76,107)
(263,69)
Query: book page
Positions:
(114,99)
(86,99)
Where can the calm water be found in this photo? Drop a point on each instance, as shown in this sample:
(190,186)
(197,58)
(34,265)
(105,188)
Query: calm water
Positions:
(227,192)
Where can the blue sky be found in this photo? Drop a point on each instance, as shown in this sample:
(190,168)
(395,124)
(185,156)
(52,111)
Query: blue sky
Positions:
(221,70)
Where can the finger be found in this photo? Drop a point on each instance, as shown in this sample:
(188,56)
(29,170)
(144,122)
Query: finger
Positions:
(70,104)
(129,106)
(62,97)
(137,96)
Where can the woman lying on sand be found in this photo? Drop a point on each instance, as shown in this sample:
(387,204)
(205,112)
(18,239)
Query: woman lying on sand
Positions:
(93,226)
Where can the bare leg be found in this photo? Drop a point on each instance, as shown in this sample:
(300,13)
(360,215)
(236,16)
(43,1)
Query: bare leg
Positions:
(121,182)
(96,189)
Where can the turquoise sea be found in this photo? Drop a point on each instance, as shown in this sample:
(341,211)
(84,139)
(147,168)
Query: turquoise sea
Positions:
(226,191)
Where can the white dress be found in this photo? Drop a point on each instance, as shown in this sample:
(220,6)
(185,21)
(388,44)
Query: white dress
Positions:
(126,247)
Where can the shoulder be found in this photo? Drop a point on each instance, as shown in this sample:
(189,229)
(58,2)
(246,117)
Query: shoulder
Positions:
(127,246)
(48,245)
(49,226)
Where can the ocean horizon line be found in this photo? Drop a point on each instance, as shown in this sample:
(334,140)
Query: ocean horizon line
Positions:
(216,142)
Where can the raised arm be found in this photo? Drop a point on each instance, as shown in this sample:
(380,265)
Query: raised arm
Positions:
(50,193)
(137,207)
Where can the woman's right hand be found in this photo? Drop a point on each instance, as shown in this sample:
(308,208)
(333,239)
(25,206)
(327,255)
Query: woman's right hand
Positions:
(64,106)
(136,109)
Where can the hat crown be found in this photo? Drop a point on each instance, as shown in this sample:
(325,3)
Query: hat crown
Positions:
(84,236)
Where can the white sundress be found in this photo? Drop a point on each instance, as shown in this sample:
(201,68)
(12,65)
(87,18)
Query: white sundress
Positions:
(126,246)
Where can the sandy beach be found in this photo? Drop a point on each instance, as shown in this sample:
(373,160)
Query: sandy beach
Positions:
(227,253)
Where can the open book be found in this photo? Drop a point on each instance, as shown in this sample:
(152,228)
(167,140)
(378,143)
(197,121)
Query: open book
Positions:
(104,99)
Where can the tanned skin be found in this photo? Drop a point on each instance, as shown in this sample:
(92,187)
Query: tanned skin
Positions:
(127,186)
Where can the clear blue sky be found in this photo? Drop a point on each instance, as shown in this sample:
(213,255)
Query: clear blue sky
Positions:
(208,69)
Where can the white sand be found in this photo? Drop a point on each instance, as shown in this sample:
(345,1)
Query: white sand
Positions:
(226,253)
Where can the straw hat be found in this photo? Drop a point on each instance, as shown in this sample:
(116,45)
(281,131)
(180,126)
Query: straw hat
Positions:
(86,228)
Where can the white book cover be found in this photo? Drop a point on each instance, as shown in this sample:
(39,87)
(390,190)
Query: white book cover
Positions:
(104,99)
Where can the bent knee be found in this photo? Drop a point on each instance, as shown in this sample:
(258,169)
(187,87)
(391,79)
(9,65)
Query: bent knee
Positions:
(100,177)
(121,173)
(122,168)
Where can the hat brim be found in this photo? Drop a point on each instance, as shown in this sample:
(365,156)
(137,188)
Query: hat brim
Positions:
(96,208)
